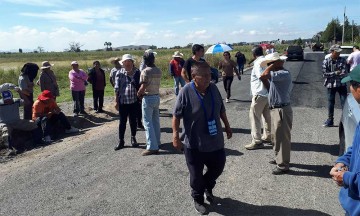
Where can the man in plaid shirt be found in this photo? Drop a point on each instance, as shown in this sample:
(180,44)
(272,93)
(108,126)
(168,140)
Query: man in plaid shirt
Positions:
(334,69)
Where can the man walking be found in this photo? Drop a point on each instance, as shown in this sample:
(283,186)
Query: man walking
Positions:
(334,69)
(280,109)
(241,61)
(259,104)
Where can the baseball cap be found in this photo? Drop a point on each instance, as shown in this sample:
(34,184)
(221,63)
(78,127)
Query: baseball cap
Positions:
(335,48)
(6,95)
(354,75)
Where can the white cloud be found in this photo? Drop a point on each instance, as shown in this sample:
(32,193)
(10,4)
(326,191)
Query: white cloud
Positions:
(179,21)
(202,34)
(195,19)
(252,32)
(250,18)
(237,32)
(84,16)
(40,3)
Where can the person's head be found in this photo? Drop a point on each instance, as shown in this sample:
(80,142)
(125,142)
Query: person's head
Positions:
(96,64)
(257,51)
(46,66)
(273,59)
(177,55)
(226,55)
(127,61)
(7,97)
(75,65)
(355,48)
(149,59)
(45,96)
(198,50)
(335,51)
(116,62)
(354,79)
(201,75)
(30,69)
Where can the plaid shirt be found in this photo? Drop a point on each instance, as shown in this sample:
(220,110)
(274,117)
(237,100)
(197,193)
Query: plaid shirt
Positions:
(125,87)
(329,67)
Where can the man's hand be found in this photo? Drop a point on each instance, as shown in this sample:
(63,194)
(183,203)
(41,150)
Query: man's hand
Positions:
(177,143)
(338,72)
(228,132)
(337,173)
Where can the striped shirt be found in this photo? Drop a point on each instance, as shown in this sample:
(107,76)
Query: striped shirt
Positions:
(151,77)
(125,86)
(329,68)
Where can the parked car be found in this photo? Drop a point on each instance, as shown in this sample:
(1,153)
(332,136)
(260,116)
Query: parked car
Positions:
(350,117)
(317,47)
(294,52)
(345,52)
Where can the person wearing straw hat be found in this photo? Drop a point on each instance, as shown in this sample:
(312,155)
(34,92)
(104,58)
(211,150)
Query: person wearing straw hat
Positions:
(175,67)
(278,80)
(126,100)
(46,113)
(47,79)
(114,70)
(346,170)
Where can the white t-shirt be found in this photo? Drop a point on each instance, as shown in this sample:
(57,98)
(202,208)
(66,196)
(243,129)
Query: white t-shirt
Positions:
(353,59)
(257,86)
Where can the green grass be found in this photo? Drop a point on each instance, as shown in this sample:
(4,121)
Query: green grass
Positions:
(10,65)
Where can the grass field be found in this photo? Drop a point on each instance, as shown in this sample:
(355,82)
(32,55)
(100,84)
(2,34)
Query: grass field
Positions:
(10,65)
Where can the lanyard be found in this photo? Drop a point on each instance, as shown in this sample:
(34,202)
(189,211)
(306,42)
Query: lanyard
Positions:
(202,102)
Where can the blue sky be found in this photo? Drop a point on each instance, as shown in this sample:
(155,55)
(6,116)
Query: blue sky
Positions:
(53,24)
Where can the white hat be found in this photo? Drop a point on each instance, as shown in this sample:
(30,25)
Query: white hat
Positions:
(150,51)
(271,58)
(46,64)
(126,57)
(74,63)
(177,54)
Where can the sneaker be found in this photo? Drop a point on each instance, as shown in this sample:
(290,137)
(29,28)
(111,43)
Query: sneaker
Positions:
(134,142)
(47,139)
(253,146)
(209,196)
(227,100)
(272,162)
(76,114)
(278,171)
(149,152)
(328,123)
(11,152)
(72,130)
(200,208)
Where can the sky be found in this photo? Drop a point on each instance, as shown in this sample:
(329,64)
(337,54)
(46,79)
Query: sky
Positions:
(54,24)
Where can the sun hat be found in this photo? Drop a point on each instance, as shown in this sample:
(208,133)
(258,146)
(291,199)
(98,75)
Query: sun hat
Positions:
(126,57)
(74,63)
(354,75)
(177,54)
(46,64)
(150,51)
(271,58)
(7,95)
(335,48)
(45,95)
(113,60)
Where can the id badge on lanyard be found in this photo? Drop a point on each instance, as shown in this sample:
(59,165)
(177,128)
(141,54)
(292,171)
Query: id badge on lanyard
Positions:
(211,123)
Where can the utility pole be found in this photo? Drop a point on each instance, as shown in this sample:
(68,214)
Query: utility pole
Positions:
(343,33)
(352,32)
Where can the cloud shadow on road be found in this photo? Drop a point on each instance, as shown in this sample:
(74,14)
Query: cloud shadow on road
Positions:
(331,149)
(321,171)
(228,206)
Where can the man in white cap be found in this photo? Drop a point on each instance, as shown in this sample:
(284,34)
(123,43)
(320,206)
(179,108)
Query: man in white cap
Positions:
(175,68)
(47,79)
(278,80)
(334,69)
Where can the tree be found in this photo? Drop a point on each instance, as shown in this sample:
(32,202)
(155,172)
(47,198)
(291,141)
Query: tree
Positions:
(108,46)
(20,50)
(74,47)
(298,42)
(332,32)
(40,49)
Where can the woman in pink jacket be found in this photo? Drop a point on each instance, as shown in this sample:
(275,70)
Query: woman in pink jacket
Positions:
(77,79)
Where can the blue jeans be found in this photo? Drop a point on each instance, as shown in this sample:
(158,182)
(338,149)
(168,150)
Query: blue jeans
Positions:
(331,92)
(151,120)
(178,80)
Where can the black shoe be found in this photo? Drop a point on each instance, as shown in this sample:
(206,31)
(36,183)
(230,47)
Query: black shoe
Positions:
(209,196)
(272,162)
(120,145)
(99,111)
(134,142)
(278,171)
(83,112)
(140,126)
(200,208)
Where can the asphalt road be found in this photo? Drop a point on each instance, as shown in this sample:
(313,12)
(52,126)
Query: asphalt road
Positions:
(83,175)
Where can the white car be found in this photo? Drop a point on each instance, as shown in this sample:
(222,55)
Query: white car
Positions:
(346,51)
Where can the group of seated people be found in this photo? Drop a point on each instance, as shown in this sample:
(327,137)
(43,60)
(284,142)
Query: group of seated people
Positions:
(46,116)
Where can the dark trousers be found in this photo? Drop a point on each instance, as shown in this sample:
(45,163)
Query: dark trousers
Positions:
(139,113)
(78,98)
(98,96)
(227,80)
(195,160)
(47,124)
(342,90)
(125,111)
(28,103)
(241,68)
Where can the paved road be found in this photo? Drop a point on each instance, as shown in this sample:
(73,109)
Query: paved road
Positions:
(84,175)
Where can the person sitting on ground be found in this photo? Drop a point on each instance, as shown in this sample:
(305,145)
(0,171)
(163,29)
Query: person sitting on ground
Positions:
(10,118)
(46,113)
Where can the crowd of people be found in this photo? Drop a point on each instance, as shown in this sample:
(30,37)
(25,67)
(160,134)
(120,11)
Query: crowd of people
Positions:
(198,104)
